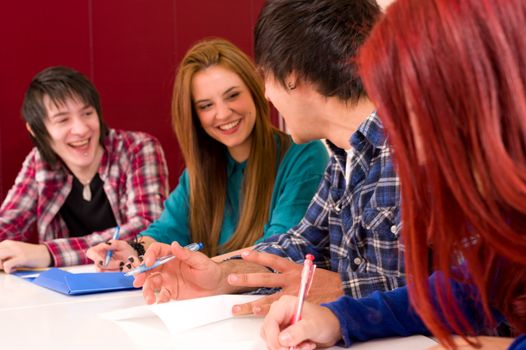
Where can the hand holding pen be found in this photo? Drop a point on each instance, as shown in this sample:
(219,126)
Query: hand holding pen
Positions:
(162,260)
(292,322)
(318,326)
(307,274)
(191,275)
(109,253)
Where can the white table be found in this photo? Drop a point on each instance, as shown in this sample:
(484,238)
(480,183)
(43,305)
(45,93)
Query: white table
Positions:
(17,293)
(32,317)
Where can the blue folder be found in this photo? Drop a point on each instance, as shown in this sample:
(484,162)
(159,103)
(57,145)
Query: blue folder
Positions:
(83,283)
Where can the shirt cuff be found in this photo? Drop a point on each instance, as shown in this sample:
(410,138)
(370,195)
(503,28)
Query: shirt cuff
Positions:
(344,329)
(519,343)
(53,253)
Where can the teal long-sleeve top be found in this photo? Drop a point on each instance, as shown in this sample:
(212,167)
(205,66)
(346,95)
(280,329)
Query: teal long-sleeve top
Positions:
(297,179)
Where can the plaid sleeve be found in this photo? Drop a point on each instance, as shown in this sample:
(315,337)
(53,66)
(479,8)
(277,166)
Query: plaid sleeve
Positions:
(375,255)
(18,211)
(359,285)
(145,190)
(310,236)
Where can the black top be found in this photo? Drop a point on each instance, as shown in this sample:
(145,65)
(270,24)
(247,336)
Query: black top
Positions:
(83,217)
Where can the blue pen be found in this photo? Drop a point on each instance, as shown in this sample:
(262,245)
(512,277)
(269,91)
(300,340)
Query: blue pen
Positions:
(109,253)
(162,260)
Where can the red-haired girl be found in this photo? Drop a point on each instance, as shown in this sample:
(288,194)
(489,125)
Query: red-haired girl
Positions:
(449,80)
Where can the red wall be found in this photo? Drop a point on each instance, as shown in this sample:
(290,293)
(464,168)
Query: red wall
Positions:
(129,48)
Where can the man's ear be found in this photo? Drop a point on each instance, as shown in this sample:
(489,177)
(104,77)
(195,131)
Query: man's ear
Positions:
(28,127)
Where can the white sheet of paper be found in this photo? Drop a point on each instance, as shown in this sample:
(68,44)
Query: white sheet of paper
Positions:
(207,323)
(202,323)
(182,315)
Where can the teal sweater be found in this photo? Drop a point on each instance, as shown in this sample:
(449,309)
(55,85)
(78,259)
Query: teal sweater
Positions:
(297,179)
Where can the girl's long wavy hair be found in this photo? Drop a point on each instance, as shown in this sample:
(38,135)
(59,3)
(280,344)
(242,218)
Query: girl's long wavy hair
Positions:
(449,80)
(206,159)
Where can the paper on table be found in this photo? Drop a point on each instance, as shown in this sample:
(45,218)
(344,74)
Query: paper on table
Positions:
(196,324)
(205,323)
(182,315)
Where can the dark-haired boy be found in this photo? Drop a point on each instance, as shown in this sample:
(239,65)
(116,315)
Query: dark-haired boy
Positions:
(305,49)
(80,181)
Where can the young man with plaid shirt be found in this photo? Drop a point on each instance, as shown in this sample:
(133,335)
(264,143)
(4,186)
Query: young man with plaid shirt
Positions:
(305,49)
(81,181)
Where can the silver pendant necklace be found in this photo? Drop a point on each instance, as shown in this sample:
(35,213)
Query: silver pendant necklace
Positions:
(86,192)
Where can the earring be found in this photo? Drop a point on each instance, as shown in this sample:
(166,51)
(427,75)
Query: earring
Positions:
(291,85)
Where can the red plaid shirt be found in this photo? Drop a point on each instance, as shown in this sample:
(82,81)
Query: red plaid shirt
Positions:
(135,176)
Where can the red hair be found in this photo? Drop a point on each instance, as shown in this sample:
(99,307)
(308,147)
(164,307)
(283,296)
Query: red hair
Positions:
(450,76)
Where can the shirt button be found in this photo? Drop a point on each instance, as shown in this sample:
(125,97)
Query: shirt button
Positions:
(337,209)
(393,229)
(357,261)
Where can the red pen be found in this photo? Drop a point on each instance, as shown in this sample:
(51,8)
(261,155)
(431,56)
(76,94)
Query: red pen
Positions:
(307,275)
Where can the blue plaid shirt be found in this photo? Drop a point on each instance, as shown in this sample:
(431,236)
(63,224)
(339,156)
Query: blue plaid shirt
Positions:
(353,228)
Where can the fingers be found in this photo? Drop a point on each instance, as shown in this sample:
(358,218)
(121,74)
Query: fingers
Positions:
(267,279)
(195,260)
(121,251)
(151,284)
(294,335)
(130,263)
(280,334)
(155,251)
(10,256)
(194,271)
(113,265)
(259,307)
(4,257)
(269,260)
(261,310)
(121,247)
(164,295)
(11,264)
(307,345)
(7,250)
(242,309)
(97,252)
(139,280)
(318,324)
(279,316)
(135,261)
